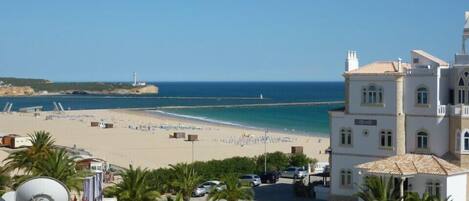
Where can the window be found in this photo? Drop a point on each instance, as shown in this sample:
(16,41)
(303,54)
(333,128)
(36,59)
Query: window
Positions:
(466,141)
(422,140)
(372,95)
(422,96)
(415,60)
(461,96)
(346,178)
(461,89)
(346,136)
(433,188)
(386,138)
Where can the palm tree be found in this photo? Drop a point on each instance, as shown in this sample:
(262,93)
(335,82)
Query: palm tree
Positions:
(62,167)
(378,189)
(186,179)
(42,144)
(5,181)
(413,196)
(134,186)
(234,191)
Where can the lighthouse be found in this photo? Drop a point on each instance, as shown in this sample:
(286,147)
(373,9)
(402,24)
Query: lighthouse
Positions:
(137,83)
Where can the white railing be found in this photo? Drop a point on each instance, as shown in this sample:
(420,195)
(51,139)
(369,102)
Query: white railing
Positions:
(419,71)
(441,110)
(460,110)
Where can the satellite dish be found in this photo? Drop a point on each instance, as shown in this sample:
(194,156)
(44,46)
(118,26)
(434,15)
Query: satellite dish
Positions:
(42,189)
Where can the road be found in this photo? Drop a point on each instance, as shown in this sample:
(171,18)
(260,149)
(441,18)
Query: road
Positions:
(281,191)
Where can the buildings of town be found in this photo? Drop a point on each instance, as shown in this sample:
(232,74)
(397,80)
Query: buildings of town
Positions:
(406,120)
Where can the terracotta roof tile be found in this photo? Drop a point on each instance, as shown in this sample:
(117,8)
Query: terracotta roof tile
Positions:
(380,67)
(410,164)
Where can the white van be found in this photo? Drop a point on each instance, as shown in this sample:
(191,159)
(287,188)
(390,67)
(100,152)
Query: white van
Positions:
(320,167)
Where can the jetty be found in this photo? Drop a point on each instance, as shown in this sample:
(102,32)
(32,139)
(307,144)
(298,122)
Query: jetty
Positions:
(254,105)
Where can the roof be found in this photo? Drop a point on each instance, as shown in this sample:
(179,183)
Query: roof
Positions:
(380,67)
(431,57)
(411,164)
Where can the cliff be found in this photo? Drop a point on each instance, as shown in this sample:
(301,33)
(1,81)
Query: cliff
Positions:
(24,86)
(149,89)
(16,91)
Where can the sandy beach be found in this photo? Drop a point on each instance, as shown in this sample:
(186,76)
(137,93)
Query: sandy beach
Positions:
(141,138)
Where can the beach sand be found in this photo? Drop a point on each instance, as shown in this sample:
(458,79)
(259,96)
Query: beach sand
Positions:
(141,138)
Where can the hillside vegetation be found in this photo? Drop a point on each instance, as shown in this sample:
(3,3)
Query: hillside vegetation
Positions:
(46,85)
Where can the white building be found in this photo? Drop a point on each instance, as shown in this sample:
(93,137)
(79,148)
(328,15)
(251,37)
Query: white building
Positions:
(408,120)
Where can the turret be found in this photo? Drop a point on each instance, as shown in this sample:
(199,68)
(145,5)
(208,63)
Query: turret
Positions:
(465,35)
(351,63)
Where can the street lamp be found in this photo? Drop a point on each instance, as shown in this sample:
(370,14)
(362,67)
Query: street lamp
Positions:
(192,139)
(265,151)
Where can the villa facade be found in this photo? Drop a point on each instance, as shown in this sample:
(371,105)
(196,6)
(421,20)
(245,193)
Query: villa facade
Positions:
(408,120)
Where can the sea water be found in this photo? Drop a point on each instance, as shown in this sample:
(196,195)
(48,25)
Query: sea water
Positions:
(301,119)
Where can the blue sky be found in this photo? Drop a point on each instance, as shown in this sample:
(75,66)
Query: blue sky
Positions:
(241,40)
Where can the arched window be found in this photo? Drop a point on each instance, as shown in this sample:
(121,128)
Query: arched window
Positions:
(433,188)
(386,138)
(461,96)
(346,136)
(422,96)
(346,178)
(372,95)
(462,91)
(466,141)
(422,140)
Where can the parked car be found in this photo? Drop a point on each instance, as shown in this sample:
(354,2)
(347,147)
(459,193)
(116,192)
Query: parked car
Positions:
(294,172)
(250,179)
(208,187)
(270,177)
(321,167)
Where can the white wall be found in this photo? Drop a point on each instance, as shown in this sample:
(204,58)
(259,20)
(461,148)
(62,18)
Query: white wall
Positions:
(361,144)
(456,186)
(437,129)
(412,83)
(419,183)
(340,162)
(22,142)
(356,85)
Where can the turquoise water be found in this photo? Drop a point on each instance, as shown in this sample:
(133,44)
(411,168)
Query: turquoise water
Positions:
(297,119)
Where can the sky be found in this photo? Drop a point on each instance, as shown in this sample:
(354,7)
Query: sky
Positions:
(218,40)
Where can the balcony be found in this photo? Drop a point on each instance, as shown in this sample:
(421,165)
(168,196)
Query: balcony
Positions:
(441,110)
(420,71)
(460,110)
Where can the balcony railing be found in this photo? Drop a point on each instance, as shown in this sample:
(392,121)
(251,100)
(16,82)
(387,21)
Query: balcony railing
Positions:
(441,110)
(420,71)
(460,110)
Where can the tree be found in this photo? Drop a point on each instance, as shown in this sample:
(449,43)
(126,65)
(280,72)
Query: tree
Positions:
(62,167)
(186,179)
(234,191)
(413,196)
(42,144)
(133,187)
(5,181)
(275,161)
(378,189)
(300,160)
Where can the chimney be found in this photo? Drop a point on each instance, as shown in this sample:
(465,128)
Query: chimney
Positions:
(351,63)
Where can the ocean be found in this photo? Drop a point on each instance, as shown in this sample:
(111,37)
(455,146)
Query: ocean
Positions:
(221,102)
